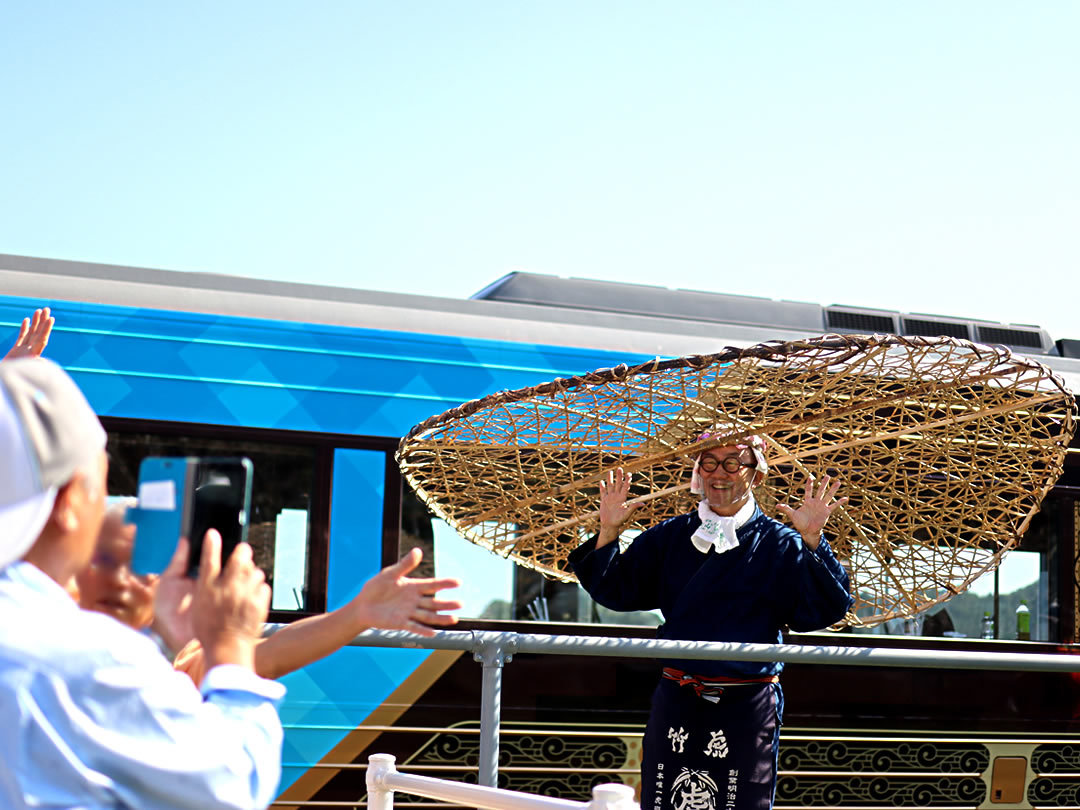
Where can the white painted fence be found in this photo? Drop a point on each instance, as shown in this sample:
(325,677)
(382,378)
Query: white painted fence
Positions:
(383,779)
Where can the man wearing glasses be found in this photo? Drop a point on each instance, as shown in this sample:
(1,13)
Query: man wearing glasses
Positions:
(724,572)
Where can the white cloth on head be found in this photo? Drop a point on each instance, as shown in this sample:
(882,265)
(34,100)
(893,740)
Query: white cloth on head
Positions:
(24,506)
(718,531)
(696,486)
(48,432)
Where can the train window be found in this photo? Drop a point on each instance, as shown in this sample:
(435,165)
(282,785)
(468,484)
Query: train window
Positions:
(486,589)
(1023,585)
(1019,600)
(280,504)
(496,588)
(486,579)
(289,579)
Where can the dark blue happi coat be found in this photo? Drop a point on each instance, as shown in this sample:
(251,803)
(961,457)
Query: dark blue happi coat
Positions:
(771,580)
(718,752)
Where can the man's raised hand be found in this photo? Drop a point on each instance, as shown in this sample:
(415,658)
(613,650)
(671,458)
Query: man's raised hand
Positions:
(812,515)
(614,511)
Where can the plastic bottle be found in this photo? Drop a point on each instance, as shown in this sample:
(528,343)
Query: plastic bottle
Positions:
(987,625)
(1023,621)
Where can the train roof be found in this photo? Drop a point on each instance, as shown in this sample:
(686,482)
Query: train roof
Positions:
(519,307)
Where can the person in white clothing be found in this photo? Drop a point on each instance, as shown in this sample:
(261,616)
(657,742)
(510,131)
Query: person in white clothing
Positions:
(94,716)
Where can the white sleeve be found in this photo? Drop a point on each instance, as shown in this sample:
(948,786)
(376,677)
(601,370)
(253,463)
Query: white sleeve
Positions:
(141,734)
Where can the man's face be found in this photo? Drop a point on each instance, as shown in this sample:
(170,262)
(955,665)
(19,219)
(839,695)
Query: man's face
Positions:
(86,504)
(108,585)
(725,491)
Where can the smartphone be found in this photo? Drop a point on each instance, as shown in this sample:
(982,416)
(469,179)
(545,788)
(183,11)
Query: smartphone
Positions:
(184,497)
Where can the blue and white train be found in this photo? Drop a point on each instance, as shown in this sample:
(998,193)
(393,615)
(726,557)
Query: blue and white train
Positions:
(317,385)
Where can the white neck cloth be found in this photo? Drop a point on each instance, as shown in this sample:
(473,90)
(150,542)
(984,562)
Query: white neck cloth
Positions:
(718,531)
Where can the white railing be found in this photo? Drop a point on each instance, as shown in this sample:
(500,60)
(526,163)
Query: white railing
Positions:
(383,779)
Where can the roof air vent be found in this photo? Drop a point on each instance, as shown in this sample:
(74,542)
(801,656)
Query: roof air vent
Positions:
(932,328)
(863,321)
(1010,336)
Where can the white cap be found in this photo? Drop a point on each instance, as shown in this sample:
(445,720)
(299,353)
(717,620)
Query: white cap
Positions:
(48,432)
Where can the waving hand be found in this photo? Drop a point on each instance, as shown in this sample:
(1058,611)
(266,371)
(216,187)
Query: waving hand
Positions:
(812,515)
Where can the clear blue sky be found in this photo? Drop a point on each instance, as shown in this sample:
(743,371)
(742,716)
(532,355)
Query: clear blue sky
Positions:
(913,155)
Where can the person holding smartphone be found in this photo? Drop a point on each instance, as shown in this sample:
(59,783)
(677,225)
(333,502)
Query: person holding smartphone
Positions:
(94,716)
(390,600)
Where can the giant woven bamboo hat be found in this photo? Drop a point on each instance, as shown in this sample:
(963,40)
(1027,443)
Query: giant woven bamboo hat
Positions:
(945,448)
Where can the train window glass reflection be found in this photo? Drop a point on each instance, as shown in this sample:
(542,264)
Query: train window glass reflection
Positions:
(1020,579)
(1017,578)
(1032,572)
(494,588)
(1021,576)
(486,589)
(290,559)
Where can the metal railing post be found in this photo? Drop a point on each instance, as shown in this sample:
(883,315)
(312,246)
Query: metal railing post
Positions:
(380,797)
(612,796)
(492,651)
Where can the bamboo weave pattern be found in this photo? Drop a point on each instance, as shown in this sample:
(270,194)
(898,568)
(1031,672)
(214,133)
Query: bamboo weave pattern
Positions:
(945,448)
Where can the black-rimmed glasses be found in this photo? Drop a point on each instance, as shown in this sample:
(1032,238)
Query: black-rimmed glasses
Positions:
(731,464)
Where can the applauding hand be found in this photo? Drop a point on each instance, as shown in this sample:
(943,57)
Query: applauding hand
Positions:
(390,600)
